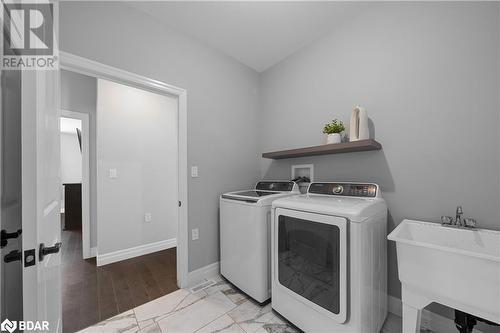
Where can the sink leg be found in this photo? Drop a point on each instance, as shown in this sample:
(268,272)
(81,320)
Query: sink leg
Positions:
(411,319)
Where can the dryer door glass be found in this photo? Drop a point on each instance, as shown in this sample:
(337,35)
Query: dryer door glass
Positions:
(309,260)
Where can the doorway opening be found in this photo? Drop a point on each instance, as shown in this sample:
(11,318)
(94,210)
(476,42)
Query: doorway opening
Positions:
(125,256)
(74,183)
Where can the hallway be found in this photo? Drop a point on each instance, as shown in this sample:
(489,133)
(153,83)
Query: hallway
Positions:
(91,294)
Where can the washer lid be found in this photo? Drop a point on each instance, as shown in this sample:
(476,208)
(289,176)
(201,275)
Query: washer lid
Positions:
(262,198)
(353,208)
(249,194)
(264,193)
(254,193)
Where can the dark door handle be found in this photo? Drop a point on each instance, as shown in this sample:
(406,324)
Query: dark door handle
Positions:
(4,236)
(48,250)
(12,256)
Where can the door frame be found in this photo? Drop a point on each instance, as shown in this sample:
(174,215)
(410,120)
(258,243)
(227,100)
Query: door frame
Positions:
(92,68)
(84,118)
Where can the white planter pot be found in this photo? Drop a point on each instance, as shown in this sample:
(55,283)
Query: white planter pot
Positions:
(333,138)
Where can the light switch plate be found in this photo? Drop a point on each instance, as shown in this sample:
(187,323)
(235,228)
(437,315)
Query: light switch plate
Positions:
(195,234)
(148,217)
(194,171)
(113,173)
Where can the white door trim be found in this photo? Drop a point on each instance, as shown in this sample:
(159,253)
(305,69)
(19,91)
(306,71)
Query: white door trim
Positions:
(84,118)
(85,66)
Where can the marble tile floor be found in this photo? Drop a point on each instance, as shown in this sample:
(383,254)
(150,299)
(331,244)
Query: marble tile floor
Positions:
(219,308)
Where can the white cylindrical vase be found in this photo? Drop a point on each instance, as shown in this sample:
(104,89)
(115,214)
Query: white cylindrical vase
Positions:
(359,124)
(333,138)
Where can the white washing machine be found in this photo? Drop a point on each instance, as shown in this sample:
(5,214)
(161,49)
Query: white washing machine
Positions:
(329,258)
(245,236)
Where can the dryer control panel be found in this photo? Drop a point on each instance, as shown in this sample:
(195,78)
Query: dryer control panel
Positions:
(345,189)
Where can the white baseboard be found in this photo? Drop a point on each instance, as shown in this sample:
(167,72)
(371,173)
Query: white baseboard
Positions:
(430,320)
(108,258)
(93,252)
(206,272)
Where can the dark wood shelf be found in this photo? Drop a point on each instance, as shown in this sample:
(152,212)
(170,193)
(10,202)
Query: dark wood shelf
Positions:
(332,148)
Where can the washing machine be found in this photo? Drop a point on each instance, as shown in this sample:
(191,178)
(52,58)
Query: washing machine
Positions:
(245,236)
(329,258)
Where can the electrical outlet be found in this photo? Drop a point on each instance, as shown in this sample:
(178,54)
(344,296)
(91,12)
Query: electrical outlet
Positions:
(195,234)
(113,173)
(194,171)
(148,217)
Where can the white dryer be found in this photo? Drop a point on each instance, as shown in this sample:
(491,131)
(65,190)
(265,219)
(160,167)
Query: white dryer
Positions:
(329,258)
(245,236)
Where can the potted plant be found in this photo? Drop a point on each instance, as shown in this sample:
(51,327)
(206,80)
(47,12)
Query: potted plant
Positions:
(333,130)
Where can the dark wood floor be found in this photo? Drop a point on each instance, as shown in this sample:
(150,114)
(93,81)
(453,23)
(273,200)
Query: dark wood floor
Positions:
(92,294)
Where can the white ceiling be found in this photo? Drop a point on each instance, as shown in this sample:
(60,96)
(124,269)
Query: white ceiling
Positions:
(258,34)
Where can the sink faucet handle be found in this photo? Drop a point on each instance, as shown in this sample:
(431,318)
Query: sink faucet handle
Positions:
(469,222)
(448,220)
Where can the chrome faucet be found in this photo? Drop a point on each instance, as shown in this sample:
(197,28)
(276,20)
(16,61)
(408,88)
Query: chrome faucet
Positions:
(459,221)
(458,216)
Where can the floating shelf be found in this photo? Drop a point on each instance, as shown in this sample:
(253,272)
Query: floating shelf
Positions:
(332,148)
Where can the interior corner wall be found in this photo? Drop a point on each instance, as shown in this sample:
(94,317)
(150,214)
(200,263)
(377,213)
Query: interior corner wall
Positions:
(222,101)
(79,94)
(428,75)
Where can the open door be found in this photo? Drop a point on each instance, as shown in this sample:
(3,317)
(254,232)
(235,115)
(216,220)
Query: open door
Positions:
(40,198)
(10,183)
(41,226)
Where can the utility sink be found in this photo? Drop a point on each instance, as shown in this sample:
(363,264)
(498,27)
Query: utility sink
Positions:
(457,267)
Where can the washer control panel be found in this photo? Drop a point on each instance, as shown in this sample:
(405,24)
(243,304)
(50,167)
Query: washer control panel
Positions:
(275,186)
(345,189)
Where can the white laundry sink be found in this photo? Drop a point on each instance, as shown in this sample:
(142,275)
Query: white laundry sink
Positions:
(456,267)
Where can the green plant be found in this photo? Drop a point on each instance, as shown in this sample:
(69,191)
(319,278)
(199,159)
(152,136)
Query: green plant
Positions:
(336,126)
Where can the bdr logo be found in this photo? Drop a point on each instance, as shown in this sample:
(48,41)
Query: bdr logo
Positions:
(28,36)
(10,326)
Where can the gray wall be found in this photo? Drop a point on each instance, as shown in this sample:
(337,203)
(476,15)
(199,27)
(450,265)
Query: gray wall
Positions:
(79,94)
(222,101)
(428,75)
(136,136)
(71,158)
